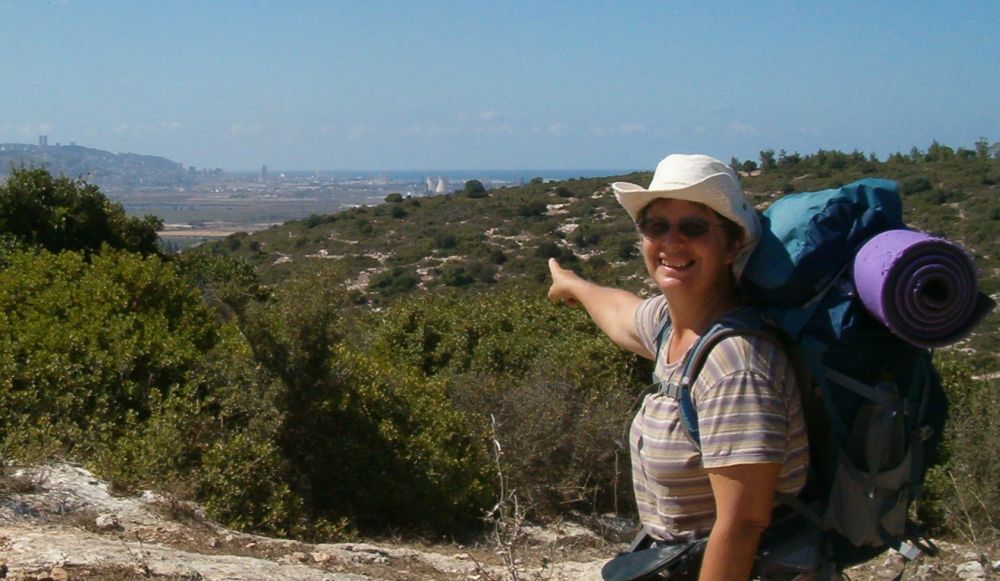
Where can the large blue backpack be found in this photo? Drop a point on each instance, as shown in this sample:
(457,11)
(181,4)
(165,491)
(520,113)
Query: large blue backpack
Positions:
(874,403)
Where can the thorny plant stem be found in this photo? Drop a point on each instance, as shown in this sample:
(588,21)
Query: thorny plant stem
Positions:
(507,516)
(964,509)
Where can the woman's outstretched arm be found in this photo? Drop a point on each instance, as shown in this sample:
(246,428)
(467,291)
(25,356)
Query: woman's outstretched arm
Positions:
(612,309)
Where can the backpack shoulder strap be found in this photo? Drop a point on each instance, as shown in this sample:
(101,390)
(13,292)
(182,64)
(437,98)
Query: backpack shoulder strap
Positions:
(744,322)
(661,337)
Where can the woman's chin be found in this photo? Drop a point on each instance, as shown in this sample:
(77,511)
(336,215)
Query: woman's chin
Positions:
(669,283)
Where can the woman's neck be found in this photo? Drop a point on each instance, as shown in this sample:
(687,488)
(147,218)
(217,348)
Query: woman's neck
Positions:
(690,317)
(697,313)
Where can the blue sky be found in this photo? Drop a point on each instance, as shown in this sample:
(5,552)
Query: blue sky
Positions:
(495,85)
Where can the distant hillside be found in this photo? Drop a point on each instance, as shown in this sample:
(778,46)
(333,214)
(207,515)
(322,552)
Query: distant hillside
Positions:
(111,171)
(461,242)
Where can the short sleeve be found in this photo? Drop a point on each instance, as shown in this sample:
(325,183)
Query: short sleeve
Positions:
(746,396)
(649,318)
(743,420)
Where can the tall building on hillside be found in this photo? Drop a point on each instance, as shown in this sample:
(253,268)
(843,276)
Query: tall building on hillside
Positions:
(43,141)
(263,174)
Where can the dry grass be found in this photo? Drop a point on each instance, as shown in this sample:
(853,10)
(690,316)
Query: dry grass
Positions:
(179,511)
(17,483)
(105,573)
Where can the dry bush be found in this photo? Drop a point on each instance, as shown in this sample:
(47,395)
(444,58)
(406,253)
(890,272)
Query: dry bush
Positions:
(562,438)
(12,482)
(963,490)
(177,510)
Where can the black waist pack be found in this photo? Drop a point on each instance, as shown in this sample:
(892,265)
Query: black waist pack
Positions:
(790,548)
(676,561)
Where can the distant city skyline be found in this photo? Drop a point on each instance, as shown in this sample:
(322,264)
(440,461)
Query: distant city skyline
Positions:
(339,85)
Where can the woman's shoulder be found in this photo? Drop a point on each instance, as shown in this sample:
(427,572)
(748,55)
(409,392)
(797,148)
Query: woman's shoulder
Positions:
(651,316)
(653,308)
(747,353)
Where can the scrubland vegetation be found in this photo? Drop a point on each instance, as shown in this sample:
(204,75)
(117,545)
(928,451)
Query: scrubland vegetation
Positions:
(357,390)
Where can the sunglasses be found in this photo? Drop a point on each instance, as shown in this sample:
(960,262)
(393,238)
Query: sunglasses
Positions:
(690,227)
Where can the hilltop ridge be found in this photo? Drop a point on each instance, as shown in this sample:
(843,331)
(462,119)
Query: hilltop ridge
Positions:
(112,172)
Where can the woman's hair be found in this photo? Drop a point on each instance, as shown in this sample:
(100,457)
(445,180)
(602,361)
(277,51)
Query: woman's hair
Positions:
(734,233)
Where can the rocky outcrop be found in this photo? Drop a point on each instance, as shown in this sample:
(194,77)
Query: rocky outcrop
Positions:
(59,522)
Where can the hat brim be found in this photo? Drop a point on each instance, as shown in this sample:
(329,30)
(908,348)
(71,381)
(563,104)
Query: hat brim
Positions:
(711,191)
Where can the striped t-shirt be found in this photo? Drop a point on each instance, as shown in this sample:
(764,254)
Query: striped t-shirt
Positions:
(749,412)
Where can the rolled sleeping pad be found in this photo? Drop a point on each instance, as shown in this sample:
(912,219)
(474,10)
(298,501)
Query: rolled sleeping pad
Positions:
(922,288)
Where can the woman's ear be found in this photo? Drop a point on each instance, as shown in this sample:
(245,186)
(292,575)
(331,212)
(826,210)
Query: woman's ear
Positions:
(735,245)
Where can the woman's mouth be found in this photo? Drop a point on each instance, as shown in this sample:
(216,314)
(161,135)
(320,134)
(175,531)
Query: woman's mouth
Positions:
(677,265)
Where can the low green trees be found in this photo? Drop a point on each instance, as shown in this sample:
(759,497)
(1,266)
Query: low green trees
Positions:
(63,214)
(86,345)
(366,440)
(558,390)
(474,189)
(118,362)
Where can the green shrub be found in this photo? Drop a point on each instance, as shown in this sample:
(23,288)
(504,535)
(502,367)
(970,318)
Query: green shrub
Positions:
(628,249)
(243,485)
(531,209)
(585,236)
(352,418)
(87,344)
(118,363)
(62,214)
(557,388)
(915,184)
(214,439)
(393,281)
(936,197)
(401,431)
(563,192)
(549,249)
(455,275)
(474,189)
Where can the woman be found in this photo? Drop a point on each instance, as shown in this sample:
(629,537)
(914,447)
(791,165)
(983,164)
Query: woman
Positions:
(697,231)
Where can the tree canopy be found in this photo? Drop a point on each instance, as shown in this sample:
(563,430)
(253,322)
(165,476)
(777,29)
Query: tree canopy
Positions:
(474,189)
(37,209)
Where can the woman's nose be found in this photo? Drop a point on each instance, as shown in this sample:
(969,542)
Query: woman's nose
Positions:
(672,237)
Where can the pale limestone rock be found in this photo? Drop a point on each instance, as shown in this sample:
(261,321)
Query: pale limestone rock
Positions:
(970,571)
(107,522)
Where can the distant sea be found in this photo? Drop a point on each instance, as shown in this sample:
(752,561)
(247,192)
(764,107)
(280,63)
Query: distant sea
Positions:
(452,175)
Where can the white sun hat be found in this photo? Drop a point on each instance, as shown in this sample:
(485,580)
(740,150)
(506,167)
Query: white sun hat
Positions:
(701,179)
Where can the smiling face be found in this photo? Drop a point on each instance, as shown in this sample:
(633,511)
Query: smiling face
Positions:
(687,260)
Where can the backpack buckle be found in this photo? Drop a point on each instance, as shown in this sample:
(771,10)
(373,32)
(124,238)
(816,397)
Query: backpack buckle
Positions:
(671,389)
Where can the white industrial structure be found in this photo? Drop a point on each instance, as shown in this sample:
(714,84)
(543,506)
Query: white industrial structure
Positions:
(439,187)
